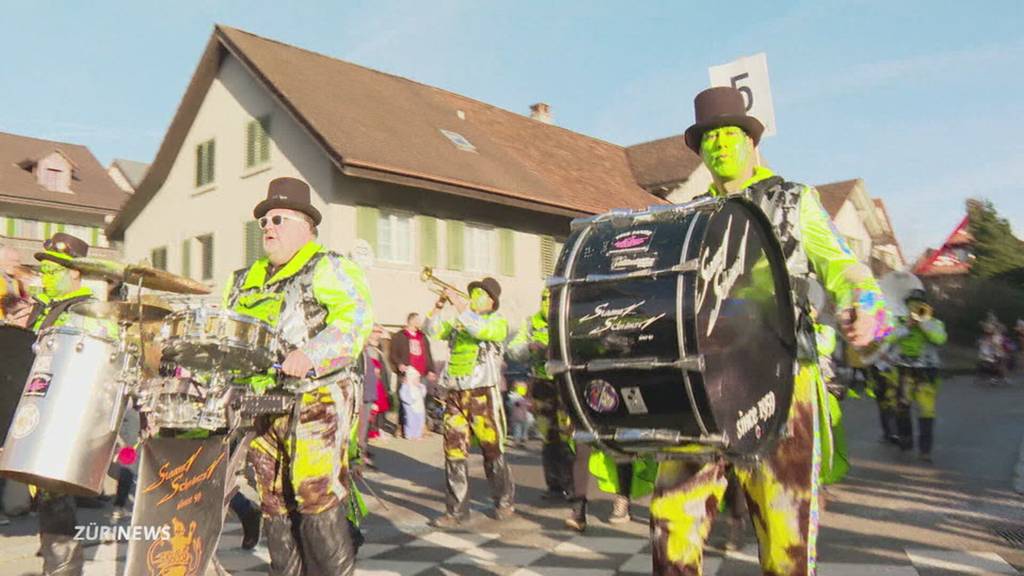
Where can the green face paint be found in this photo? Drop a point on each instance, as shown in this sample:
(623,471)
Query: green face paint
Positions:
(480,300)
(727,152)
(56,279)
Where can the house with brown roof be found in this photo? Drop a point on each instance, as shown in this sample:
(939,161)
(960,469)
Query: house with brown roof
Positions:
(406,175)
(127,174)
(669,169)
(864,223)
(48,187)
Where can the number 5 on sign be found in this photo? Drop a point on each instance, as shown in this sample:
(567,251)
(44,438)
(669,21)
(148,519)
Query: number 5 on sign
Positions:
(749,75)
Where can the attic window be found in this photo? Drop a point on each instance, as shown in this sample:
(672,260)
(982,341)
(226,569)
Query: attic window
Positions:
(459,140)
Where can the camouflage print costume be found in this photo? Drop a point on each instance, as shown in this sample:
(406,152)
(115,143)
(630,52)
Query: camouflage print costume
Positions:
(916,357)
(320,304)
(782,487)
(549,411)
(62,554)
(473,407)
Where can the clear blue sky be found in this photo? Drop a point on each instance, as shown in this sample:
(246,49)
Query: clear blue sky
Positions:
(922,99)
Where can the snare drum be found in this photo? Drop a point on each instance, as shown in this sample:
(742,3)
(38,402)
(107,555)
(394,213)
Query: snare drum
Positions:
(64,430)
(675,326)
(210,338)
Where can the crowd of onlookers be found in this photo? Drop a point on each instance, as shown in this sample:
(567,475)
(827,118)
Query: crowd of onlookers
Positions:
(999,348)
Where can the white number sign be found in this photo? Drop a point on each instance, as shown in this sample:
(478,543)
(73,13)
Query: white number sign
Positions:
(749,75)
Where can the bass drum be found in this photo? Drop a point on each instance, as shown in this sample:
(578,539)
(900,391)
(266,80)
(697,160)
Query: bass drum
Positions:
(675,326)
(16,351)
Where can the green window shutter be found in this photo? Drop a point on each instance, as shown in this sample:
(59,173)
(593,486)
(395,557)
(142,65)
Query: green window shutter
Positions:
(95,237)
(210,161)
(186,258)
(47,229)
(428,240)
(158,257)
(253,242)
(206,241)
(250,143)
(506,252)
(547,256)
(456,249)
(264,140)
(200,165)
(11,227)
(60,228)
(366,225)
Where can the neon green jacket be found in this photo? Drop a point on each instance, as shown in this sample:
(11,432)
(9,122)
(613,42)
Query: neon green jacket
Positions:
(466,333)
(919,342)
(95,326)
(319,302)
(533,331)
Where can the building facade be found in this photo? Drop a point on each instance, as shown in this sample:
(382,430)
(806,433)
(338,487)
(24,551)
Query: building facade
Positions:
(405,175)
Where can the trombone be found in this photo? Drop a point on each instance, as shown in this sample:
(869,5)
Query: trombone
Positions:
(438,286)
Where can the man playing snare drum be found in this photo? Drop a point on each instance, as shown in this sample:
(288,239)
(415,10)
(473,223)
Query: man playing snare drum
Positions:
(62,288)
(320,304)
(782,486)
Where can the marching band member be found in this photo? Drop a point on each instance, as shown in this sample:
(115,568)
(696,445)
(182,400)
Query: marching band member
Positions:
(473,404)
(62,288)
(783,486)
(531,346)
(915,349)
(320,303)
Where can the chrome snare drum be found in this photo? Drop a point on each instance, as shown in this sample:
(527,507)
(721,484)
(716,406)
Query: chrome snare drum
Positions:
(213,339)
(64,430)
(185,403)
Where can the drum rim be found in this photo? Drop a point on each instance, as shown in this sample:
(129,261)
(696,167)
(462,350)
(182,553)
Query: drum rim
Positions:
(71,330)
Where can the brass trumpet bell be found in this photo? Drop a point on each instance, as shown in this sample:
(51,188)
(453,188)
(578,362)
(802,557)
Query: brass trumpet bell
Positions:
(436,285)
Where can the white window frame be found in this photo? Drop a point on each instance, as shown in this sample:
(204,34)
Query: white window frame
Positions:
(395,244)
(480,248)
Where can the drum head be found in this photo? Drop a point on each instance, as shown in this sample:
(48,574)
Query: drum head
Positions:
(744,328)
(16,351)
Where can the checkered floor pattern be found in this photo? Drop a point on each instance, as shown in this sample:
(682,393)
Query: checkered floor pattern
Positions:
(545,553)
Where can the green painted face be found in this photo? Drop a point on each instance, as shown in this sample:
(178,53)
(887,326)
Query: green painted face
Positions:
(56,279)
(480,300)
(727,152)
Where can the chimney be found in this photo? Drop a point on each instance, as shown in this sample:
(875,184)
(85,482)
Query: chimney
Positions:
(541,112)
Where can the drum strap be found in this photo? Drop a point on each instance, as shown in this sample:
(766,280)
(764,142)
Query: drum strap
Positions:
(55,311)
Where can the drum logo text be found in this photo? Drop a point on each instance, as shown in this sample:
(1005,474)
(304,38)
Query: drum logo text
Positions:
(179,480)
(629,261)
(181,554)
(757,414)
(716,275)
(631,241)
(619,319)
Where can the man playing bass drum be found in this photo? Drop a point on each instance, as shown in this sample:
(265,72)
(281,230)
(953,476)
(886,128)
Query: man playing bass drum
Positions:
(783,485)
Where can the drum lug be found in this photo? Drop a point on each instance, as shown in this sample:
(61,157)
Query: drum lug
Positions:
(556,367)
(80,345)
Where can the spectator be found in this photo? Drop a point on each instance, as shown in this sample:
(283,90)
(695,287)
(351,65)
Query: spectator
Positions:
(520,414)
(374,393)
(410,350)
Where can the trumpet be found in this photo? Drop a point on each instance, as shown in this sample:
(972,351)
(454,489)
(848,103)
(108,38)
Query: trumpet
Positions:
(921,312)
(438,286)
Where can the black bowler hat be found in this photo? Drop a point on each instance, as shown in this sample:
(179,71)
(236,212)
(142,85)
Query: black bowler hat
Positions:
(717,107)
(289,193)
(489,285)
(61,248)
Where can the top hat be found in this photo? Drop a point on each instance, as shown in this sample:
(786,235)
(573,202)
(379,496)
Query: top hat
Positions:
(289,193)
(61,248)
(717,107)
(489,285)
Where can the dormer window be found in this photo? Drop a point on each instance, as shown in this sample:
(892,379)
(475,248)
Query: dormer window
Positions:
(53,180)
(53,171)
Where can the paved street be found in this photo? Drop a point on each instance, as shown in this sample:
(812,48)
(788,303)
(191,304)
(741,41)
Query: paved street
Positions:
(893,516)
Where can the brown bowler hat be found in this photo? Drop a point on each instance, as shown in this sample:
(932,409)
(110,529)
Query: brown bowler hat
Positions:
(290,193)
(489,285)
(61,248)
(717,107)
